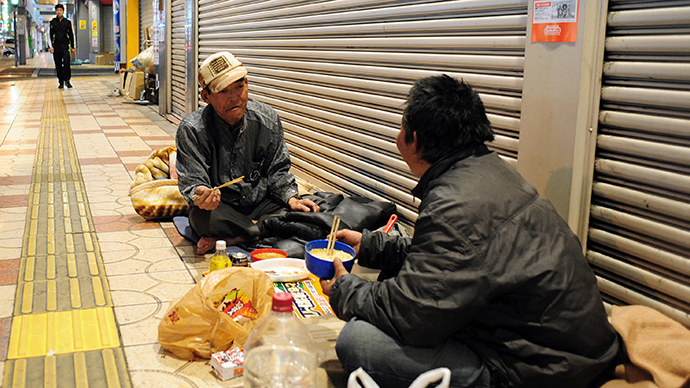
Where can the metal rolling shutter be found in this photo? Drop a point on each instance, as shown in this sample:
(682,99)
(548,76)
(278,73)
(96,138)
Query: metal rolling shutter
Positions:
(639,233)
(108,40)
(338,71)
(179,83)
(145,20)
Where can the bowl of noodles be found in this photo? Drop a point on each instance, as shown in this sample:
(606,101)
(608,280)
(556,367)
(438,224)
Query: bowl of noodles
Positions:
(320,264)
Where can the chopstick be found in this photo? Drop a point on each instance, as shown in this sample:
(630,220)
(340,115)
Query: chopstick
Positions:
(331,237)
(226,184)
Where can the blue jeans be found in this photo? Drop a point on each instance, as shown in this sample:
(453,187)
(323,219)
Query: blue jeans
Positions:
(391,364)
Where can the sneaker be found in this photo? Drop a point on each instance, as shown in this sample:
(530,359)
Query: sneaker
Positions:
(62,85)
(68,85)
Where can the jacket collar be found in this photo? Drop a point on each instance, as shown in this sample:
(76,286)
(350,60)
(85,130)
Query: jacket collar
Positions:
(442,165)
(219,122)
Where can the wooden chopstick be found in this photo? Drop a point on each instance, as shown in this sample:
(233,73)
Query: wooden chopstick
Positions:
(226,184)
(331,237)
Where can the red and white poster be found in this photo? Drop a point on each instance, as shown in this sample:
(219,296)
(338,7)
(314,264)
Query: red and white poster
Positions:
(554,21)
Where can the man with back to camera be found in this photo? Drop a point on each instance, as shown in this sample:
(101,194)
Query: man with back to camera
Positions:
(61,44)
(233,136)
(493,284)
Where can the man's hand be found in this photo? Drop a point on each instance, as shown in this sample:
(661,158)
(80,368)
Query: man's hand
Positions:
(352,238)
(339,271)
(52,50)
(207,199)
(305,205)
(74,51)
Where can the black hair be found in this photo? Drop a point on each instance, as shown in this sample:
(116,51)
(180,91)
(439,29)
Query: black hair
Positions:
(447,116)
(58,5)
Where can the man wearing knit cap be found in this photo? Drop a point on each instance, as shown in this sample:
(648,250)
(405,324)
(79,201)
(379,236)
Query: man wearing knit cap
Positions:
(233,136)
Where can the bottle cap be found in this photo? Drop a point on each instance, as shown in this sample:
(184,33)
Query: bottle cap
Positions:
(220,245)
(282,302)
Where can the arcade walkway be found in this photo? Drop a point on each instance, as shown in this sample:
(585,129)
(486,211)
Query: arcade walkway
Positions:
(84,281)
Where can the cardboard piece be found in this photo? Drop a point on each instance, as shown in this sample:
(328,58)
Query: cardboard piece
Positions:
(134,85)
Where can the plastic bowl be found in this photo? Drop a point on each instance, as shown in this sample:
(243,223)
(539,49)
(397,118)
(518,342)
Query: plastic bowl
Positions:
(267,253)
(324,269)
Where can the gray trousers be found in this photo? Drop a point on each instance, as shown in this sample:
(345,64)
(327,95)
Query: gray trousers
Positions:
(393,365)
(230,222)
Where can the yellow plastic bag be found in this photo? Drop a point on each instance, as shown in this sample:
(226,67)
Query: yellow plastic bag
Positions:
(192,326)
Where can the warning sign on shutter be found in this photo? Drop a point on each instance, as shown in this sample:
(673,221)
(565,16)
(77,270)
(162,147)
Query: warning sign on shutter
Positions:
(554,21)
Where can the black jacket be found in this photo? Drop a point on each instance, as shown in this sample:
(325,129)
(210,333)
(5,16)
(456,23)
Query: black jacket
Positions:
(492,264)
(61,34)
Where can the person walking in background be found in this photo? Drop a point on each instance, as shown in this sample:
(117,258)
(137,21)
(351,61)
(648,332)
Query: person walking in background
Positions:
(61,43)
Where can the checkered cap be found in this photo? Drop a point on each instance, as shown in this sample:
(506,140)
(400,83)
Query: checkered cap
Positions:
(220,70)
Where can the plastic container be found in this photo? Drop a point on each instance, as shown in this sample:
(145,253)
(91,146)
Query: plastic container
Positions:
(324,269)
(280,352)
(267,253)
(220,259)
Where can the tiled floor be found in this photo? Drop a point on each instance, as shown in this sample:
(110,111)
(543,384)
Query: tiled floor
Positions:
(147,264)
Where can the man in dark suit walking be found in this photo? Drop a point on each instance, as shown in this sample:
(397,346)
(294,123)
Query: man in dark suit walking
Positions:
(62,42)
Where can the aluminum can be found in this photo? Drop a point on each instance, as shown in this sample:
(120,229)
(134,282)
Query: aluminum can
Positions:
(239,259)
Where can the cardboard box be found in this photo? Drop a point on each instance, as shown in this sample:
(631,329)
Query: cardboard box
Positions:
(134,85)
(228,364)
(108,58)
(100,60)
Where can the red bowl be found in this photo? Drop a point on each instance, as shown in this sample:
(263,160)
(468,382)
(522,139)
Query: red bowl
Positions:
(268,253)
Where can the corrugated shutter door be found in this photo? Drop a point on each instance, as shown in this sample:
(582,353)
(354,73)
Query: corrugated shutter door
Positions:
(108,42)
(338,71)
(178,84)
(639,235)
(145,20)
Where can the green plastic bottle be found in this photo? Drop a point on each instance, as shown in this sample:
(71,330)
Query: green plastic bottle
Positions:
(220,259)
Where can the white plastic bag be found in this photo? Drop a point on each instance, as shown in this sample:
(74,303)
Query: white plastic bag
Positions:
(421,381)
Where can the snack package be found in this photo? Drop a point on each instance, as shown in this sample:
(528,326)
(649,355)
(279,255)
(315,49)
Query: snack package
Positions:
(237,305)
(228,364)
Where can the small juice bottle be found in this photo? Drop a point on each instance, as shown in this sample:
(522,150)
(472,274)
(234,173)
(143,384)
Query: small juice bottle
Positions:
(220,259)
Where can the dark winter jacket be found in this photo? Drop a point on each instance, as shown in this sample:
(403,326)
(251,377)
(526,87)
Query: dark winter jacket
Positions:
(61,34)
(210,153)
(492,264)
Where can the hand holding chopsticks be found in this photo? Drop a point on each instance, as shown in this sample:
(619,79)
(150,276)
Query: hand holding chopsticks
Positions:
(331,236)
(226,184)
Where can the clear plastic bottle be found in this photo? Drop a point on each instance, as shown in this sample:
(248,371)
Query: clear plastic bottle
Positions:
(220,259)
(280,351)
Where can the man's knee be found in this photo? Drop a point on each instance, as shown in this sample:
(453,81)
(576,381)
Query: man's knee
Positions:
(354,339)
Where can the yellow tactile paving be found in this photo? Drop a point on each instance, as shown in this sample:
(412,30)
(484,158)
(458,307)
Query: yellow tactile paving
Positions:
(63,322)
(62,332)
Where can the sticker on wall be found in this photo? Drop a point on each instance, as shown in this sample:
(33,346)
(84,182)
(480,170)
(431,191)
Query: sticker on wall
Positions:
(94,28)
(554,21)
(82,24)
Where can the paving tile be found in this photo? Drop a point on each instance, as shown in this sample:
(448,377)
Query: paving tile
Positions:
(144,261)
(122,223)
(7,296)
(19,200)
(152,357)
(9,271)
(5,328)
(15,180)
(139,324)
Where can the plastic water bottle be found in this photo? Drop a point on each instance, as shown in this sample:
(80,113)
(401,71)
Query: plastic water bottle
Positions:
(280,351)
(220,259)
